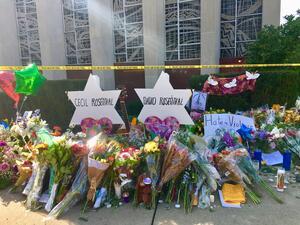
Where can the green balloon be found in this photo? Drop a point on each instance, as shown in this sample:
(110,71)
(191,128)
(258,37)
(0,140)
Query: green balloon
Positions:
(29,80)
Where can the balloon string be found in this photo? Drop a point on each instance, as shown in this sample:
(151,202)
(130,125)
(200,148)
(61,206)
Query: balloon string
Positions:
(21,107)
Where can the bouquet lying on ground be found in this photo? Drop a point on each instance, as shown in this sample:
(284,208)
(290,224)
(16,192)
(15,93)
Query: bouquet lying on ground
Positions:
(77,192)
(126,161)
(237,167)
(176,159)
(152,151)
(34,186)
(101,157)
(199,179)
(63,162)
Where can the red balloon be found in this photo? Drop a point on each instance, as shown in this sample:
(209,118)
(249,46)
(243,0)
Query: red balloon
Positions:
(7,84)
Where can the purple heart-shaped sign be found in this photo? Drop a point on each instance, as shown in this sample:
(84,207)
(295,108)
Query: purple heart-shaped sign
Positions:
(163,128)
(91,126)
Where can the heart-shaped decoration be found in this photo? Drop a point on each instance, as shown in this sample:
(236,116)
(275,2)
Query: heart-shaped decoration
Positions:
(92,127)
(163,128)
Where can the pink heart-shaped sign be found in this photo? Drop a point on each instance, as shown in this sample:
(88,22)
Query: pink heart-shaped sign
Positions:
(91,126)
(163,128)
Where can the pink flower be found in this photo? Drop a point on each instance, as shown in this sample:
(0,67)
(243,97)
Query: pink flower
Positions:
(4,167)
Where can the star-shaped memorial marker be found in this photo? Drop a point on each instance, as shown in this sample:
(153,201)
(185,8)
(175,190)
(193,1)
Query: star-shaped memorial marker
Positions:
(94,103)
(164,101)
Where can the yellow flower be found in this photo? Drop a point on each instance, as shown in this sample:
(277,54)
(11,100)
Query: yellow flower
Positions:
(276,107)
(151,147)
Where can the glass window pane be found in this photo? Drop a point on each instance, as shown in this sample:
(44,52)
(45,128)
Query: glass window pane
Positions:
(27,27)
(183,29)
(248,27)
(190,51)
(227,34)
(128,30)
(77,32)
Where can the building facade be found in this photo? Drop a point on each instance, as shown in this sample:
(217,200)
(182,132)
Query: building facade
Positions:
(130,32)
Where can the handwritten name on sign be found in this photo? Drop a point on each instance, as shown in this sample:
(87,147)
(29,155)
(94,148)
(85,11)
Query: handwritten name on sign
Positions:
(212,122)
(162,101)
(94,102)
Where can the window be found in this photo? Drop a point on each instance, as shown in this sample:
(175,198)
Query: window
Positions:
(77,33)
(128,31)
(241,20)
(28,34)
(182,29)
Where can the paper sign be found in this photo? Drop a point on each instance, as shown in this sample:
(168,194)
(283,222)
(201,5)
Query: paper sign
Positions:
(199,101)
(164,101)
(212,122)
(94,103)
(273,158)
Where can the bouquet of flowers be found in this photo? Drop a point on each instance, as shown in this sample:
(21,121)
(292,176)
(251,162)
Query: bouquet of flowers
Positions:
(77,192)
(126,161)
(101,157)
(8,170)
(153,159)
(224,140)
(34,186)
(291,141)
(61,159)
(246,166)
(177,158)
(137,135)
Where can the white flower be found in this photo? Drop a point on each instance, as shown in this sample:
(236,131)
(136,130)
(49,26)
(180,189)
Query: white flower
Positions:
(298,103)
(277,133)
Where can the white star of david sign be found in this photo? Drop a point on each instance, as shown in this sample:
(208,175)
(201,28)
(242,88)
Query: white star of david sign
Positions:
(164,101)
(94,103)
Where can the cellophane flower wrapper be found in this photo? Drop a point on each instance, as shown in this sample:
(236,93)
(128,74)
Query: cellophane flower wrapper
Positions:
(292,141)
(153,163)
(229,169)
(204,197)
(246,166)
(177,158)
(99,148)
(30,182)
(203,162)
(137,135)
(60,157)
(96,171)
(75,194)
(35,192)
(25,172)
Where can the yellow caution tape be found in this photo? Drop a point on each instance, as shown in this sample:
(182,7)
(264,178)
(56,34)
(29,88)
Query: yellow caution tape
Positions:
(162,67)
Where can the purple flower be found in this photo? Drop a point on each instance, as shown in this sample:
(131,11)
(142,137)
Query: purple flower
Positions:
(262,135)
(4,167)
(3,144)
(229,141)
